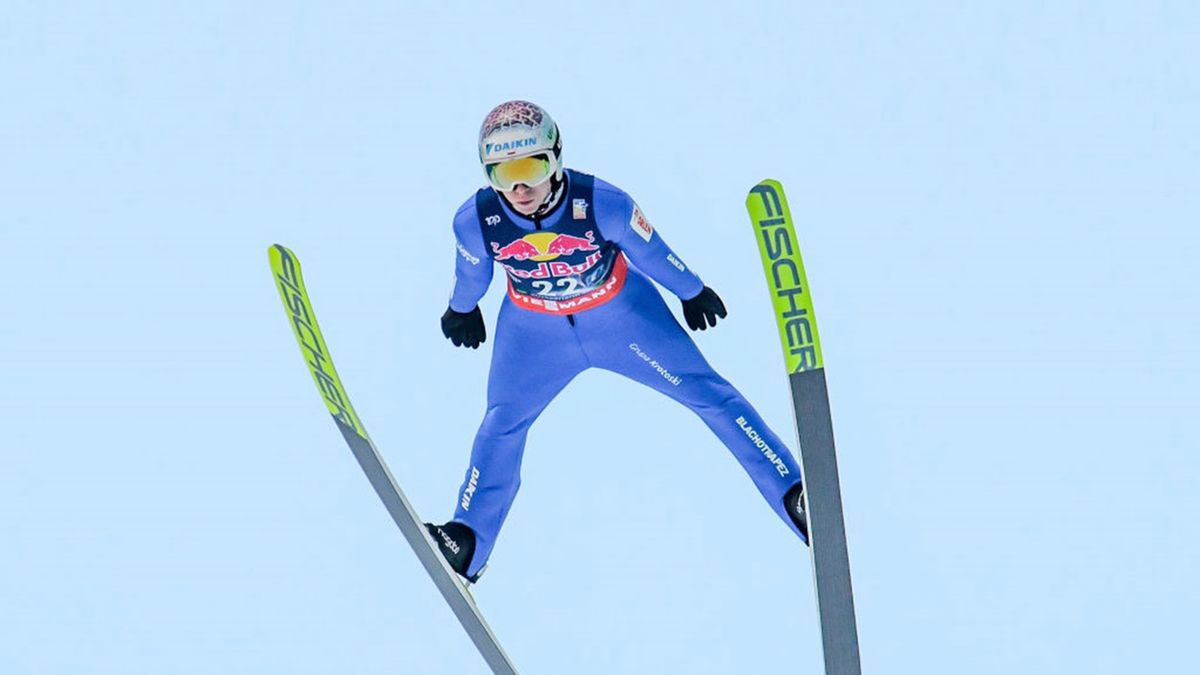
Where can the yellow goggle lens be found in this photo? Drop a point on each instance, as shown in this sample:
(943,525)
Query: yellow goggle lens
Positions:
(528,170)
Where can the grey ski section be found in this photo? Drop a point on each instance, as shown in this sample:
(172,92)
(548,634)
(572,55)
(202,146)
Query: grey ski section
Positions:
(827,526)
(290,284)
(413,529)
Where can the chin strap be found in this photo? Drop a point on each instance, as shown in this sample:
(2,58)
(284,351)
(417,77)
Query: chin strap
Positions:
(556,192)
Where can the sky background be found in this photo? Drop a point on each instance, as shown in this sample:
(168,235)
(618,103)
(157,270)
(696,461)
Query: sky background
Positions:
(997,203)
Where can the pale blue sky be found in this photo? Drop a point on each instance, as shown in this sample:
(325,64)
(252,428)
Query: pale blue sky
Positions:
(998,207)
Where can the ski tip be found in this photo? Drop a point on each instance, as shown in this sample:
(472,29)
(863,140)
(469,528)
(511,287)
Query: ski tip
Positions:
(766,189)
(277,253)
(767,183)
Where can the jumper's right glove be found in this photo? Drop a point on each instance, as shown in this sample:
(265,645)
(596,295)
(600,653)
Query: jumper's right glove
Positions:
(465,329)
(702,311)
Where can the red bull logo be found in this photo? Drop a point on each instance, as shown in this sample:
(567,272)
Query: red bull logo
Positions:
(518,250)
(557,268)
(543,246)
(592,298)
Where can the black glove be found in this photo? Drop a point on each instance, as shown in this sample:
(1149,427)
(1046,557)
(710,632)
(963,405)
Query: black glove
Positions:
(465,329)
(702,311)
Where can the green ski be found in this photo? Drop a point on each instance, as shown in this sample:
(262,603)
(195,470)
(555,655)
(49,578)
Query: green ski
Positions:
(810,401)
(286,267)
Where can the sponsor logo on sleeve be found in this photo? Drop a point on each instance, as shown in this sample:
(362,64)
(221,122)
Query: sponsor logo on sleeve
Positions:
(675,261)
(640,225)
(474,260)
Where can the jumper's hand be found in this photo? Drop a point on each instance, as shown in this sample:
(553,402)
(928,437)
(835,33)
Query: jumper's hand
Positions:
(465,329)
(702,311)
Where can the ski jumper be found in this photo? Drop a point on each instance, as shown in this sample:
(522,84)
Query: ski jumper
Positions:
(579,297)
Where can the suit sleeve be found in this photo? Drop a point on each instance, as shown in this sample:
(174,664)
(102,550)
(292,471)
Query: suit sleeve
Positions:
(472,264)
(622,222)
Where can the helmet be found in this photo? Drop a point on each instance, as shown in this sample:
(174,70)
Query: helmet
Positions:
(516,130)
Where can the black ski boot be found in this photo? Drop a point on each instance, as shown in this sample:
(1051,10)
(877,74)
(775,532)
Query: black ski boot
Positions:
(457,544)
(794,502)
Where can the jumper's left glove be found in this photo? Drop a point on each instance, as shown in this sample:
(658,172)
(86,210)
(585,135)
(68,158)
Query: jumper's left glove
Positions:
(702,311)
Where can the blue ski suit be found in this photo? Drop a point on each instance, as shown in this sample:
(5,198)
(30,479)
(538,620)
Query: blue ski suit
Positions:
(579,297)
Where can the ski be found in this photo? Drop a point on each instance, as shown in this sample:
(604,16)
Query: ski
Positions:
(286,268)
(793,309)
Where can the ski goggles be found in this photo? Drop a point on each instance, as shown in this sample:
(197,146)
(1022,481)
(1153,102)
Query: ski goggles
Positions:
(531,171)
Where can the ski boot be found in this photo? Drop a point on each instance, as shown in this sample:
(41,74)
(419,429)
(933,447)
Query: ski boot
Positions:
(456,542)
(794,502)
